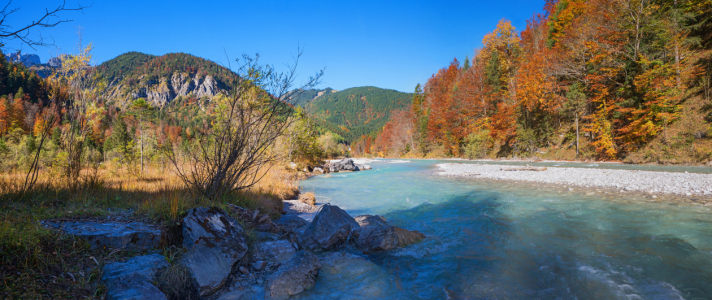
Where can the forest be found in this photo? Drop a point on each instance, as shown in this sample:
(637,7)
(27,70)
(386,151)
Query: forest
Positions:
(602,79)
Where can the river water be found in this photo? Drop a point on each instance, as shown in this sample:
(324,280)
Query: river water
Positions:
(499,240)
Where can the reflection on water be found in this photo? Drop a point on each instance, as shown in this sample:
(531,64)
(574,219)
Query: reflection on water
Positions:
(505,241)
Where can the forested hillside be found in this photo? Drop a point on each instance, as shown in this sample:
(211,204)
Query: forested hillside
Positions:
(355,112)
(599,79)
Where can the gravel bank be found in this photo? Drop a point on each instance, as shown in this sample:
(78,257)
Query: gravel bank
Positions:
(639,181)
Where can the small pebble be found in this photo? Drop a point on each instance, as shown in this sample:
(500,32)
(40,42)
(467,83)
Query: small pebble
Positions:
(244,270)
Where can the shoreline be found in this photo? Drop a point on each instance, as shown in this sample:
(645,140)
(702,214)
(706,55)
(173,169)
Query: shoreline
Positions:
(614,180)
(531,160)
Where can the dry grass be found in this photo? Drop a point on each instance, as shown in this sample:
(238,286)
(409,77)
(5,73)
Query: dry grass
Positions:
(37,263)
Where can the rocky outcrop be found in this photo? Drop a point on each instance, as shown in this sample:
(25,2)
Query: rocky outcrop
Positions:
(55,62)
(344,165)
(164,90)
(294,277)
(134,278)
(329,229)
(134,235)
(215,243)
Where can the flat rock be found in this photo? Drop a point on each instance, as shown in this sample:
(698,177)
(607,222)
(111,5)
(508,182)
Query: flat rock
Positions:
(369,220)
(280,251)
(133,279)
(215,243)
(294,277)
(383,238)
(134,235)
(329,229)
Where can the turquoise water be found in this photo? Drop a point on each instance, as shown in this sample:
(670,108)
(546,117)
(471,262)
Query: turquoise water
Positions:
(506,241)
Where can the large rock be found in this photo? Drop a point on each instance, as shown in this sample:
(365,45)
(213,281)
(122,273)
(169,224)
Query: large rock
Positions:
(133,236)
(292,278)
(369,220)
(385,237)
(329,229)
(215,243)
(280,251)
(133,279)
(347,164)
(291,223)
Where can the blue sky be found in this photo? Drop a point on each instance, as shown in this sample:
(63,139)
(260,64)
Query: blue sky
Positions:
(389,44)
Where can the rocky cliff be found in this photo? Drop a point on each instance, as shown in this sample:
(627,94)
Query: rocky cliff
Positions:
(165,89)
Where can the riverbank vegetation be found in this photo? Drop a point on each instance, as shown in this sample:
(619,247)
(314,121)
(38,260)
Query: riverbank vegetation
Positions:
(603,79)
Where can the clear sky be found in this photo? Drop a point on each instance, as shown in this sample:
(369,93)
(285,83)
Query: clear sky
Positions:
(388,44)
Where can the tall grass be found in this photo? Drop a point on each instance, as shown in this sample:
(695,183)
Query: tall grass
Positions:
(38,263)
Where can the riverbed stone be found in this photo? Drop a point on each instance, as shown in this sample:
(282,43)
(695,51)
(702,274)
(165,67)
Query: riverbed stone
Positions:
(132,236)
(294,277)
(329,229)
(280,251)
(348,276)
(384,238)
(133,279)
(215,243)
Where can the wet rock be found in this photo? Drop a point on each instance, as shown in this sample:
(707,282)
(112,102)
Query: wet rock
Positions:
(291,223)
(369,220)
(364,167)
(329,229)
(292,278)
(349,276)
(383,238)
(280,251)
(215,243)
(133,279)
(134,235)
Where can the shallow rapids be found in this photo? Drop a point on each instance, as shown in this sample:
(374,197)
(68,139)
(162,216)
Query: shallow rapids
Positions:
(509,241)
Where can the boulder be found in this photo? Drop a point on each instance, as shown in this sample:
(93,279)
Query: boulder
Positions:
(294,277)
(347,164)
(318,170)
(385,237)
(291,223)
(364,167)
(329,229)
(280,251)
(369,220)
(133,236)
(215,243)
(133,279)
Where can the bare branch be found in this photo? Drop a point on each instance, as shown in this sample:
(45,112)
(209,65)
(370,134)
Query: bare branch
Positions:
(49,19)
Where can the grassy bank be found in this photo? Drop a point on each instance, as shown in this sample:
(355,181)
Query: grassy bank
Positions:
(38,263)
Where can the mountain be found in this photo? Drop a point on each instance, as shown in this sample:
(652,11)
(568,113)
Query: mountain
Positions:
(354,112)
(26,59)
(307,96)
(162,79)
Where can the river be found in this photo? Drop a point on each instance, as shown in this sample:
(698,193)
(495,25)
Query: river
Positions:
(496,240)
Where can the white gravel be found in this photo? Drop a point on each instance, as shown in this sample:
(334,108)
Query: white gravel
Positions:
(688,184)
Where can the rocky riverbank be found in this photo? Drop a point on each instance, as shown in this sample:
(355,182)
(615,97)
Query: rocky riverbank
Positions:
(240,254)
(686,184)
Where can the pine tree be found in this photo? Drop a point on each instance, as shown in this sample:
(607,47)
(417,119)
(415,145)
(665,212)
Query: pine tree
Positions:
(467,63)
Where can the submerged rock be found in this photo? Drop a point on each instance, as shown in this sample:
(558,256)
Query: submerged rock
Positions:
(133,279)
(215,243)
(298,275)
(134,235)
(349,276)
(280,251)
(329,229)
(369,220)
(385,237)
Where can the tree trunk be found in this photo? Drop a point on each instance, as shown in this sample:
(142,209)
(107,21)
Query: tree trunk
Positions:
(577,135)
